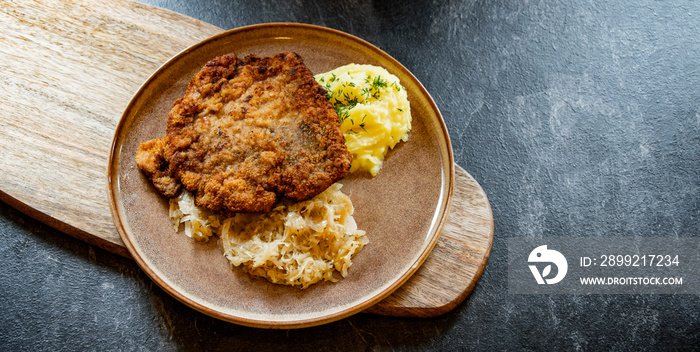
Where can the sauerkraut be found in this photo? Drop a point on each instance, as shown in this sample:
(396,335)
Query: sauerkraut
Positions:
(295,244)
(200,224)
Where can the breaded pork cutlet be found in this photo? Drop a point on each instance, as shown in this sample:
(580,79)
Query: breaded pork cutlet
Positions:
(247,132)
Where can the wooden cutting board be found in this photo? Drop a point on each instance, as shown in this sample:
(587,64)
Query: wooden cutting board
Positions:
(67,71)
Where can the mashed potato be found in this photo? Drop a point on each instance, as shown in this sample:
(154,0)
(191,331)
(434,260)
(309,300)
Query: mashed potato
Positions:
(296,244)
(373,109)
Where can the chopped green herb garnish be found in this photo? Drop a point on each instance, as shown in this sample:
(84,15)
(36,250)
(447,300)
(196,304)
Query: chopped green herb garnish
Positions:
(343,111)
(379,82)
(363,123)
(350,100)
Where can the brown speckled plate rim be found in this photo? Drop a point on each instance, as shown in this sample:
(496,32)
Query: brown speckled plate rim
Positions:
(113,189)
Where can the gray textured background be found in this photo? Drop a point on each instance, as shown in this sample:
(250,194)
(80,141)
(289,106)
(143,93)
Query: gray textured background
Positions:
(578,118)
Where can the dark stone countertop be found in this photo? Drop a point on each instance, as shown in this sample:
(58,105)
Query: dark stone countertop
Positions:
(577,118)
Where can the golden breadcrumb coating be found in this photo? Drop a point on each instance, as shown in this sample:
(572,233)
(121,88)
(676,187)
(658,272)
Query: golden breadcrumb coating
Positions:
(247,132)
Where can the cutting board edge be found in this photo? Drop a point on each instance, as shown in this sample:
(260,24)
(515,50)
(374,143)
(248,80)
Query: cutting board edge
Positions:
(430,312)
(423,312)
(63,227)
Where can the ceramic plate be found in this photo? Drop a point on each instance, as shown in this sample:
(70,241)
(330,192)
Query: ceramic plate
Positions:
(402,209)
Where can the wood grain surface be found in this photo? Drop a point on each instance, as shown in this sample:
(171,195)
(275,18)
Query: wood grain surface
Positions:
(455,265)
(69,68)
